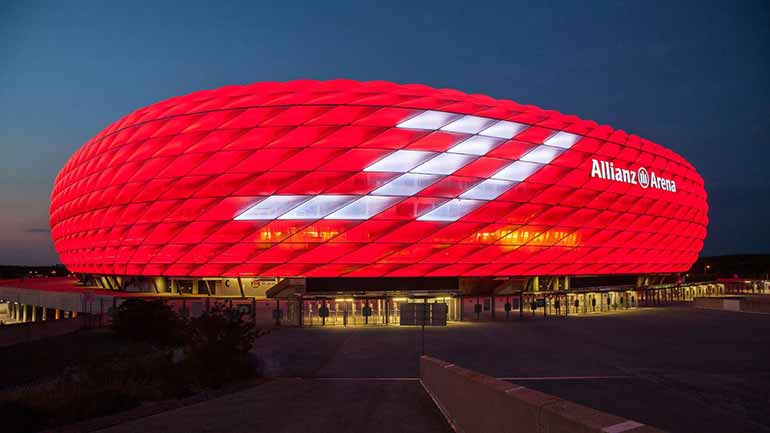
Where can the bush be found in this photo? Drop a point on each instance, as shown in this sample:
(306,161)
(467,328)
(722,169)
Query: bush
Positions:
(215,345)
(152,321)
(184,356)
(219,345)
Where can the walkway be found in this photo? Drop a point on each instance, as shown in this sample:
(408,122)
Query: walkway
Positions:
(679,369)
(304,405)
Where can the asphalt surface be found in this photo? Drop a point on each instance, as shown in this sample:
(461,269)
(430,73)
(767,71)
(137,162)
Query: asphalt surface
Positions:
(291,406)
(679,369)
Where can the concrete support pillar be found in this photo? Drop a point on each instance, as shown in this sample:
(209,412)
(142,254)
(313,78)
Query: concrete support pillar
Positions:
(57,314)
(24,312)
(493,305)
(195,287)
(44,311)
(535,284)
(566,283)
(159,285)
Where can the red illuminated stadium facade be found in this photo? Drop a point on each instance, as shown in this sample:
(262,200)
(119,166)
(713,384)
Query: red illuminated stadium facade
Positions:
(344,180)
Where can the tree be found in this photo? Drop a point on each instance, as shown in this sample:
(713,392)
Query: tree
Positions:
(153,321)
(220,342)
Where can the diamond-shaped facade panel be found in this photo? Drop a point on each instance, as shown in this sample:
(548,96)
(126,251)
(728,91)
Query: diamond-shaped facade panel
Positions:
(344,178)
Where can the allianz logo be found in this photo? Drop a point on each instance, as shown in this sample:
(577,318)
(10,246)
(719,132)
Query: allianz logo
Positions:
(607,170)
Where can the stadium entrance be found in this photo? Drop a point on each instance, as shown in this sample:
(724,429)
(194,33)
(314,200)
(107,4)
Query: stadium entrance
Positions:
(379,310)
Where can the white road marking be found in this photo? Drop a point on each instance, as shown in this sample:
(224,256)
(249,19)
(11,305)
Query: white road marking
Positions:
(562,377)
(621,427)
(514,389)
(410,378)
(381,379)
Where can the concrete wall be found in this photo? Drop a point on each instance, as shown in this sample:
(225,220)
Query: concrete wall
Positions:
(756,304)
(67,301)
(745,304)
(709,303)
(23,332)
(475,403)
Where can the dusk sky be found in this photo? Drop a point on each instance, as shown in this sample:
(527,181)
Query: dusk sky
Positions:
(692,76)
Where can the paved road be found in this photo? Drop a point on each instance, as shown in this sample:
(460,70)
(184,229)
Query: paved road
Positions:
(304,405)
(679,369)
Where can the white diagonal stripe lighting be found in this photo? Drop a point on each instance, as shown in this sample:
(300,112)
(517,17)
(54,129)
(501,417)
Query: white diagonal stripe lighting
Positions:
(430,120)
(444,163)
(318,207)
(407,184)
(401,161)
(469,124)
(421,168)
(504,129)
(272,207)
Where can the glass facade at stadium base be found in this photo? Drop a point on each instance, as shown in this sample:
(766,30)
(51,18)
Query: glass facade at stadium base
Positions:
(352,311)
(300,302)
(240,190)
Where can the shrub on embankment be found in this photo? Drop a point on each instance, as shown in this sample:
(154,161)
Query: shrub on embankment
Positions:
(176,357)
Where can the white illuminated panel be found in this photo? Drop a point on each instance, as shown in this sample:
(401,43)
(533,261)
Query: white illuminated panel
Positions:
(562,139)
(318,207)
(476,145)
(469,124)
(504,129)
(407,184)
(451,210)
(444,163)
(430,120)
(420,168)
(272,207)
(489,189)
(364,208)
(401,161)
(542,154)
(519,170)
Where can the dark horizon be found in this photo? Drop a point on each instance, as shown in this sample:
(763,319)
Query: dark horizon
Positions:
(690,76)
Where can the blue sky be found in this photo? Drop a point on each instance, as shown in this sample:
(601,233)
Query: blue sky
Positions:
(692,76)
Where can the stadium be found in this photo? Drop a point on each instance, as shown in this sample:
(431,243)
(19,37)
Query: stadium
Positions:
(364,197)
